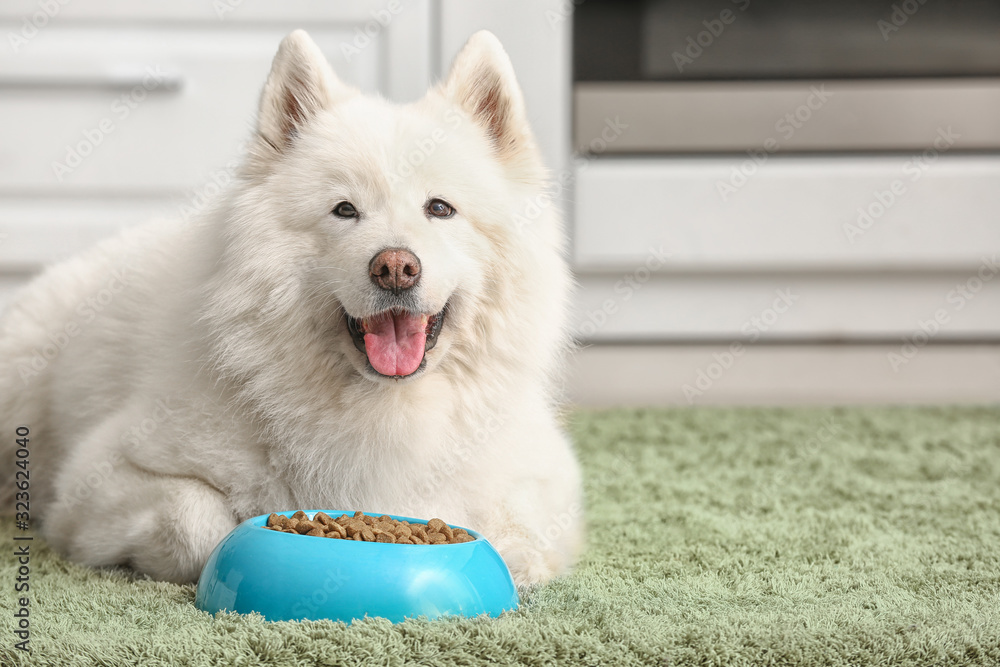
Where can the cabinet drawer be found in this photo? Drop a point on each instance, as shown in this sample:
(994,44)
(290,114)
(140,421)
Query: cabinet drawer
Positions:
(150,109)
(866,251)
(790,213)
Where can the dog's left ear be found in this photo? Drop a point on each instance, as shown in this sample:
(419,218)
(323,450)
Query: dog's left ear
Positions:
(482,83)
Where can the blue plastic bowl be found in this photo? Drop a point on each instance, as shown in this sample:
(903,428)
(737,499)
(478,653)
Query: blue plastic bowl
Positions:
(288,577)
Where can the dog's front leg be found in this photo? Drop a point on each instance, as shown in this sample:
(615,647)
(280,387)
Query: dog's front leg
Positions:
(533,556)
(108,511)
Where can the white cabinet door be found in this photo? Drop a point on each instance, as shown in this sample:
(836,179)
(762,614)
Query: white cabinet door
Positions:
(112,112)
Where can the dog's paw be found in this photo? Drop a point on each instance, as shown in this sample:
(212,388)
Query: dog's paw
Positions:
(528,566)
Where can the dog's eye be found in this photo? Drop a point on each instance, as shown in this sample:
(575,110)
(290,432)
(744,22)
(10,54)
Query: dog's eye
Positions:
(345,209)
(439,208)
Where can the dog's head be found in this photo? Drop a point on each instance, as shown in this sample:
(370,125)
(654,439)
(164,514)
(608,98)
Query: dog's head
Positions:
(404,236)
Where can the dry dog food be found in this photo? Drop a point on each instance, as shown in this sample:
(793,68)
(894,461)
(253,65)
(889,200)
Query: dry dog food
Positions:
(364,528)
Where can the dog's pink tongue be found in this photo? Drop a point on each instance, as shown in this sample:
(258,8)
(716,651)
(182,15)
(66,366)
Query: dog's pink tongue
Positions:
(395,343)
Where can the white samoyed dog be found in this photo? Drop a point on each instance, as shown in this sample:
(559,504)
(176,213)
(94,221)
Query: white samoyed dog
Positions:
(366,320)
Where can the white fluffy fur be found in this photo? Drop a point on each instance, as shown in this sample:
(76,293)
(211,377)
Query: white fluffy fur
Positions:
(202,371)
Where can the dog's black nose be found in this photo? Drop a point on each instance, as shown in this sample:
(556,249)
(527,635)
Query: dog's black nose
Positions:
(395,269)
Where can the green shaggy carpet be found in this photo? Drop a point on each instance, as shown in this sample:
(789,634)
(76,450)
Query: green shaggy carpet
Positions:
(717,537)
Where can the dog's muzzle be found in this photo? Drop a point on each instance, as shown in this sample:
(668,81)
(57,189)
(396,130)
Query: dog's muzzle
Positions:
(395,341)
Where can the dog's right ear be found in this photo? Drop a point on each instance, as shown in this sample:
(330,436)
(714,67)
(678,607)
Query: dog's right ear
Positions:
(301,84)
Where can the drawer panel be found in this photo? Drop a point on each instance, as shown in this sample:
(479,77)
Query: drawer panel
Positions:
(32,235)
(145,110)
(748,308)
(789,213)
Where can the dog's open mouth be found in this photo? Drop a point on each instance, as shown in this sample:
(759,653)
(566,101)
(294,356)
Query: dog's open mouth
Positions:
(395,341)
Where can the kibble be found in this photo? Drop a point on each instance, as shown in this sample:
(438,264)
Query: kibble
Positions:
(364,528)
